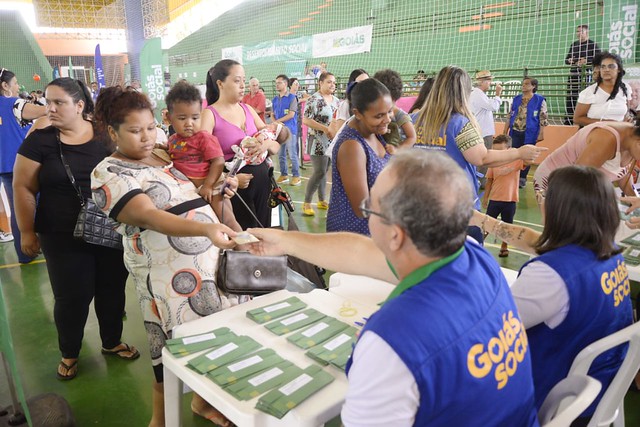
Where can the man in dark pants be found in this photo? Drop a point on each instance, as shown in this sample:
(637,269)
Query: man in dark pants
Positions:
(581,52)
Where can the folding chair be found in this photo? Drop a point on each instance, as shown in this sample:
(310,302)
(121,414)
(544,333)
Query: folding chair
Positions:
(575,393)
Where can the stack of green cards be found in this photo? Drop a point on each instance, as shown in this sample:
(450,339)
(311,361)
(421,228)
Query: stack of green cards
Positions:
(632,255)
(231,351)
(337,348)
(184,346)
(317,333)
(294,322)
(276,310)
(257,362)
(633,240)
(286,397)
(254,385)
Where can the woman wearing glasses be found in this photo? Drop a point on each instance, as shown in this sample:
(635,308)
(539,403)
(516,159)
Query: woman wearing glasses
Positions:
(607,99)
(15,119)
(359,155)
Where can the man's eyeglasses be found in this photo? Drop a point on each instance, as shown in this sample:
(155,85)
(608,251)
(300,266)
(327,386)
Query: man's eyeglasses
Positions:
(365,208)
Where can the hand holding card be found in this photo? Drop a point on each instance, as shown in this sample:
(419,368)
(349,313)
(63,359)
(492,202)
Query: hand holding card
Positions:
(245,237)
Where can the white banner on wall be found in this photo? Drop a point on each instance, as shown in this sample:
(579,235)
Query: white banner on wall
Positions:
(343,42)
(234,53)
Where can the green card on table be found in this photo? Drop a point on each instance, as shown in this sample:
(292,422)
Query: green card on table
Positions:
(317,333)
(184,346)
(294,322)
(281,400)
(229,352)
(254,363)
(275,310)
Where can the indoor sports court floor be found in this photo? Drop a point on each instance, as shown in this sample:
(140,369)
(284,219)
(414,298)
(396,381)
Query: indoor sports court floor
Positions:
(110,392)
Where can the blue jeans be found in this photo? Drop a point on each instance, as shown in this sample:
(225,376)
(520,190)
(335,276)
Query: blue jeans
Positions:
(7,181)
(292,147)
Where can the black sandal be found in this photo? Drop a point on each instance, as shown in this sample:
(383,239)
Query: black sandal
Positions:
(70,370)
(120,353)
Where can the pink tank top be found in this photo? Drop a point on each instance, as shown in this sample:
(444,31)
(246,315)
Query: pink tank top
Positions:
(229,134)
(614,169)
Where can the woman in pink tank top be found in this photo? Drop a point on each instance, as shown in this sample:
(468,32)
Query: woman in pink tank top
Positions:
(230,121)
(612,147)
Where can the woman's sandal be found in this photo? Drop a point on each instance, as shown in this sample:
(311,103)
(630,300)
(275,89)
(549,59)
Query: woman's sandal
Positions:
(503,253)
(214,416)
(122,352)
(69,371)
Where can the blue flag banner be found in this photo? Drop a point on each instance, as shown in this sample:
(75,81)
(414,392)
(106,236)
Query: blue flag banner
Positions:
(56,72)
(99,69)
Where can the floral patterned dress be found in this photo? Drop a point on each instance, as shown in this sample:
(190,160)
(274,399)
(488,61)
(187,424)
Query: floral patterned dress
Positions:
(322,112)
(174,276)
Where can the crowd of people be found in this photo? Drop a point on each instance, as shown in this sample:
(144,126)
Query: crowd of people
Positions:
(404,206)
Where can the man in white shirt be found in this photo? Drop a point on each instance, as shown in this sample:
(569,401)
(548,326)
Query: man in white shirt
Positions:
(483,108)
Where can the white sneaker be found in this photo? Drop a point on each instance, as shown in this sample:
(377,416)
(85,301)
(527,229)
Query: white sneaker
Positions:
(5,237)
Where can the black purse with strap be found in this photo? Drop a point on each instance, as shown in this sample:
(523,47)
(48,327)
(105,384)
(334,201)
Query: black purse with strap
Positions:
(93,226)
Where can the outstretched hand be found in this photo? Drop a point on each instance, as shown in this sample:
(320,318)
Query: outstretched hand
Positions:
(530,153)
(271,242)
(633,202)
(218,233)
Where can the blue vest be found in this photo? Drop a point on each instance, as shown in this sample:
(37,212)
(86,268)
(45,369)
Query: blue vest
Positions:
(599,306)
(459,333)
(533,117)
(280,105)
(11,134)
(447,142)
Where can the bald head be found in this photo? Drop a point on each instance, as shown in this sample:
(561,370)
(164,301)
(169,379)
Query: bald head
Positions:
(254,85)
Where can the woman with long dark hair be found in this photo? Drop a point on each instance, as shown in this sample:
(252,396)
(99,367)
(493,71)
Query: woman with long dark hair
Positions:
(230,121)
(16,115)
(576,291)
(79,272)
(607,99)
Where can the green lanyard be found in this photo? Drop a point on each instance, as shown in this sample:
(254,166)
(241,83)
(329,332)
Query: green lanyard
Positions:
(420,274)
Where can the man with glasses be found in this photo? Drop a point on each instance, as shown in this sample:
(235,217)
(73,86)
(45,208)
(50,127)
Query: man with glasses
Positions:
(447,343)
(581,53)
(285,111)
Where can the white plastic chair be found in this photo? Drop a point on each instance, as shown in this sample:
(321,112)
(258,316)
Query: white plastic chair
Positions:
(575,393)
(510,90)
(611,406)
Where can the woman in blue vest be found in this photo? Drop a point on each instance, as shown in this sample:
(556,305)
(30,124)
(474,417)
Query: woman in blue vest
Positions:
(528,118)
(577,290)
(16,115)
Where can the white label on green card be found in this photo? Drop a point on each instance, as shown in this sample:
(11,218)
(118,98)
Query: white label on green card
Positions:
(276,307)
(315,329)
(199,338)
(245,363)
(296,384)
(227,348)
(265,376)
(635,253)
(636,237)
(293,319)
(337,342)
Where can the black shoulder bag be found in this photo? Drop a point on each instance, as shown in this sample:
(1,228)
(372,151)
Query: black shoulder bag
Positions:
(93,226)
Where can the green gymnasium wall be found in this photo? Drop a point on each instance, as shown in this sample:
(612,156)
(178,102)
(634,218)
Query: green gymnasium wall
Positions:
(409,35)
(21,53)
